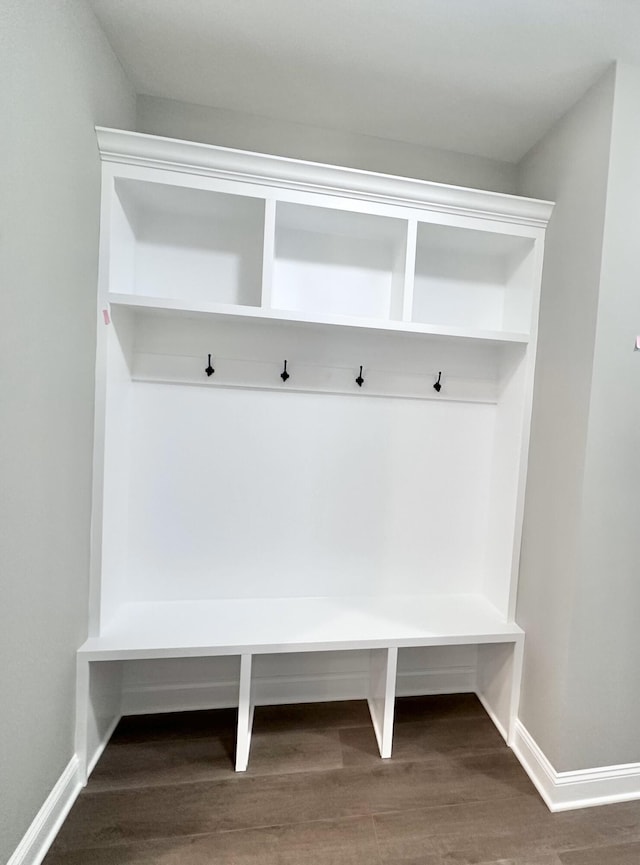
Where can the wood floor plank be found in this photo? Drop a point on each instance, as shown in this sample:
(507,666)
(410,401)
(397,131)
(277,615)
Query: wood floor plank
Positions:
(438,707)
(165,792)
(517,829)
(175,725)
(134,764)
(285,751)
(312,716)
(429,741)
(617,854)
(189,809)
(344,842)
(131,763)
(246,802)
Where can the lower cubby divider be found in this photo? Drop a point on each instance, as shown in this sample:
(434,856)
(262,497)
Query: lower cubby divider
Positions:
(382,696)
(245,715)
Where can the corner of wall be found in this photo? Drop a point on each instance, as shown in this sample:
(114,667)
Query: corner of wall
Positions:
(571,166)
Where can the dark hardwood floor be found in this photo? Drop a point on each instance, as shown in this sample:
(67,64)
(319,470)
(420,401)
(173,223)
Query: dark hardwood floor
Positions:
(317,793)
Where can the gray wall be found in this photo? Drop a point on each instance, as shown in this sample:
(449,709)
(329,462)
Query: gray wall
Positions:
(579,598)
(249,132)
(604,689)
(59,77)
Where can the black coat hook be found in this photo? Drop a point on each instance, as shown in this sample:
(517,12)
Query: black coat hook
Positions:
(360,380)
(209,370)
(437,386)
(284,375)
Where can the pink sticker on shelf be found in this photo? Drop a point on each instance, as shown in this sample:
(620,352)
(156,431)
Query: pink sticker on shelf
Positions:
(105,315)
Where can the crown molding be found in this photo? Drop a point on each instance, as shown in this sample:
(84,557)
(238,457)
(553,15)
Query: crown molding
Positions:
(151,151)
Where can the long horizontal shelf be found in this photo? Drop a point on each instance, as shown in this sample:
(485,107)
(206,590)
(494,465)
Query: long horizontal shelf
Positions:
(276,625)
(171,306)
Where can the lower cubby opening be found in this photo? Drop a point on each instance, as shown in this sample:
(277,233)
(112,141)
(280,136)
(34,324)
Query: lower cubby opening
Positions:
(268,678)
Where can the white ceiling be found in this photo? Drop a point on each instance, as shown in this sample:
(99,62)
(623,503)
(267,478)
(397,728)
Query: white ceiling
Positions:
(487,77)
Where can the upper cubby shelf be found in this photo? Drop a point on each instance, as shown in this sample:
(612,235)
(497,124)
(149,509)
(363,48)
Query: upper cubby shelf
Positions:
(335,262)
(190,244)
(469,278)
(212,231)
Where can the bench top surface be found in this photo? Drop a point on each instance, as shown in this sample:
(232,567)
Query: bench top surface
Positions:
(275,625)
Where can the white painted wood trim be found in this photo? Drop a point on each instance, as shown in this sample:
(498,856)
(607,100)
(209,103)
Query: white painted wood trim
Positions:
(283,625)
(516,689)
(40,835)
(245,715)
(382,695)
(151,151)
(92,759)
(83,681)
(268,252)
(496,721)
(231,312)
(584,788)
(409,270)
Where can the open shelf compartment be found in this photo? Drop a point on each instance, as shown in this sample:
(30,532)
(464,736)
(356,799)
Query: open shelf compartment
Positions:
(474,279)
(336,262)
(189,244)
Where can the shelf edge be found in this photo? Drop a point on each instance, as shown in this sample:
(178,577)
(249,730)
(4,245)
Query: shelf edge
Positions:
(156,304)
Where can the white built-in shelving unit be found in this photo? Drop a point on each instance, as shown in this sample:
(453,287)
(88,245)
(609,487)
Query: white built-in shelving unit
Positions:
(238,514)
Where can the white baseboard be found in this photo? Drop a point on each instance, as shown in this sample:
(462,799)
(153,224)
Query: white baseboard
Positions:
(153,697)
(47,822)
(584,788)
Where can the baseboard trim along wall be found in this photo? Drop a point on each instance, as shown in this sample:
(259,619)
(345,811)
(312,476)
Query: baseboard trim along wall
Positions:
(584,788)
(47,822)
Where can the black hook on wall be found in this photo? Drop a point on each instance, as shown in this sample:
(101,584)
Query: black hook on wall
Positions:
(437,386)
(209,370)
(284,375)
(360,380)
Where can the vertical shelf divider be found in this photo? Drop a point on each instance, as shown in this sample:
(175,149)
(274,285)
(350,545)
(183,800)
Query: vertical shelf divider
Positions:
(409,270)
(268,252)
(245,715)
(382,695)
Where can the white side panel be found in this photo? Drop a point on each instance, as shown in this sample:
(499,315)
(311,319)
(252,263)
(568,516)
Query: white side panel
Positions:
(120,335)
(507,483)
(121,243)
(98,709)
(499,675)
(258,494)
(398,273)
(521,294)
